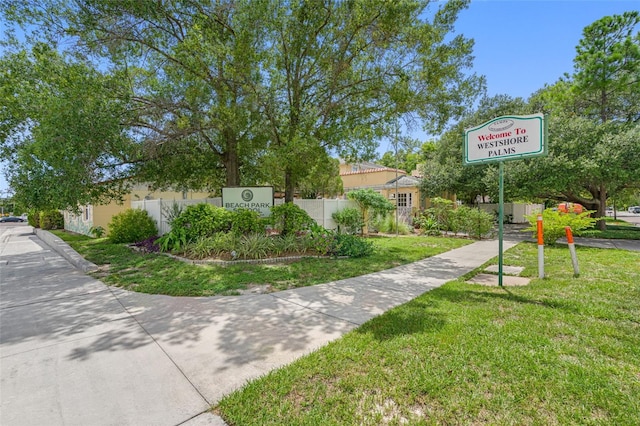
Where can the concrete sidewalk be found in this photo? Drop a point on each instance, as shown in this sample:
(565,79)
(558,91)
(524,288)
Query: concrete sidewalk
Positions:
(75,351)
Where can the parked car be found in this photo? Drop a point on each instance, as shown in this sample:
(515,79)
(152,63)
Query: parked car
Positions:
(11,219)
(636,210)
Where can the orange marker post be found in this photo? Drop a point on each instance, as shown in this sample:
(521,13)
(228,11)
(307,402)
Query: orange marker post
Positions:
(540,248)
(572,250)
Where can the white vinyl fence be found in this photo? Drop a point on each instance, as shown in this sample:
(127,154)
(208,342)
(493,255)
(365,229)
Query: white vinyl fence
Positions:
(513,212)
(160,210)
(319,210)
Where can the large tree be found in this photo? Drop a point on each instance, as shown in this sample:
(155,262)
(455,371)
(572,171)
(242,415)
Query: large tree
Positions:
(189,65)
(341,74)
(594,118)
(250,88)
(60,130)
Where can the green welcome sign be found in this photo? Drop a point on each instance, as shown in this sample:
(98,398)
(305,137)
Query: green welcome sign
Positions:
(510,137)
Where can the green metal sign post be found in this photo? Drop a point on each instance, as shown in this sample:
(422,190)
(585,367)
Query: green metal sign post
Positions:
(510,137)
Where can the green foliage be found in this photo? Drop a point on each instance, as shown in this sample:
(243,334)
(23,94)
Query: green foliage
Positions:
(554,223)
(427,223)
(443,212)
(387,225)
(352,246)
(174,241)
(349,220)
(131,225)
(62,129)
(322,241)
(443,216)
(33,218)
(477,223)
(245,222)
(254,246)
(172,211)
(218,245)
(51,219)
(202,220)
(289,218)
(371,203)
(97,231)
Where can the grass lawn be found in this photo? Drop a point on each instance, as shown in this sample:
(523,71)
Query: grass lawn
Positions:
(559,351)
(159,274)
(616,229)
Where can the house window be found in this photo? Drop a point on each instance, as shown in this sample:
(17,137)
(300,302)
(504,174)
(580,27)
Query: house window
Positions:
(86,213)
(404,200)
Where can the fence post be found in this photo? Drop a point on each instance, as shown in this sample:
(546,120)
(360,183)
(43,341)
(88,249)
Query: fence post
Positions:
(540,247)
(572,250)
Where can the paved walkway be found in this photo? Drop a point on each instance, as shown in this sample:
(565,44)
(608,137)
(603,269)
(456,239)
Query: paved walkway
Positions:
(76,352)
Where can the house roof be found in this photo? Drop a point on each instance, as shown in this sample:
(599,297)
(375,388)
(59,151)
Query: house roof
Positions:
(367,167)
(403,181)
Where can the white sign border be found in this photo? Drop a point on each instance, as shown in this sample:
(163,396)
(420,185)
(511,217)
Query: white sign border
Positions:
(509,157)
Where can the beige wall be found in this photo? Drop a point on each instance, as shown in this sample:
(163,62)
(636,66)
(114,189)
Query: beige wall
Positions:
(368,179)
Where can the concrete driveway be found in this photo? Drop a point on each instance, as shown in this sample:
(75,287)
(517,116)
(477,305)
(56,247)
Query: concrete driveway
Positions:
(76,352)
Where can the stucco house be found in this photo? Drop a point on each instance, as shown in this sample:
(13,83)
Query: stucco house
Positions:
(396,185)
(91,216)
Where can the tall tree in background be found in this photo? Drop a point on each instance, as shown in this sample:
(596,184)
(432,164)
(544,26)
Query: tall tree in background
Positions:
(594,120)
(60,130)
(340,75)
(607,69)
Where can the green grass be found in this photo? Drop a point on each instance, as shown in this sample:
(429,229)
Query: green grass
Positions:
(559,351)
(159,274)
(615,230)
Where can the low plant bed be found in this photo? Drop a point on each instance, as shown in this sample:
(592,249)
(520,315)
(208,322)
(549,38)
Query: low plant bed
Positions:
(158,274)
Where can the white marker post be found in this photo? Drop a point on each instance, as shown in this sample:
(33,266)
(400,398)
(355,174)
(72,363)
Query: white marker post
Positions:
(540,248)
(572,250)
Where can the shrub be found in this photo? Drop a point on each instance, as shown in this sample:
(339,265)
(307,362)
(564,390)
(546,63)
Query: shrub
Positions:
(427,223)
(33,219)
(322,241)
(443,212)
(200,220)
(171,211)
(175,240)
(51,219)
(289,218)
(130,226)
(254,246)
(352,246)
(371,204)
(213,246)
(387,225)
(555,221)
(349,220)
(97,231)
(245,222)
(475,222)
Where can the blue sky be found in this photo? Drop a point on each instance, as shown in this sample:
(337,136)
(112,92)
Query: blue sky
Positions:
(522,45)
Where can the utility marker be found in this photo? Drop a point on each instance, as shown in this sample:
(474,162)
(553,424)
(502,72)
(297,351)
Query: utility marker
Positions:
(572,250)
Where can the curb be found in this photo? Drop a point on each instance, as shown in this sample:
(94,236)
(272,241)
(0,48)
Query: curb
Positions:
(64,250)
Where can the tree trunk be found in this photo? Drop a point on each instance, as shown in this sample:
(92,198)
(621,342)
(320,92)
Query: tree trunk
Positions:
(289,186)
(232,162)
(602,210)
